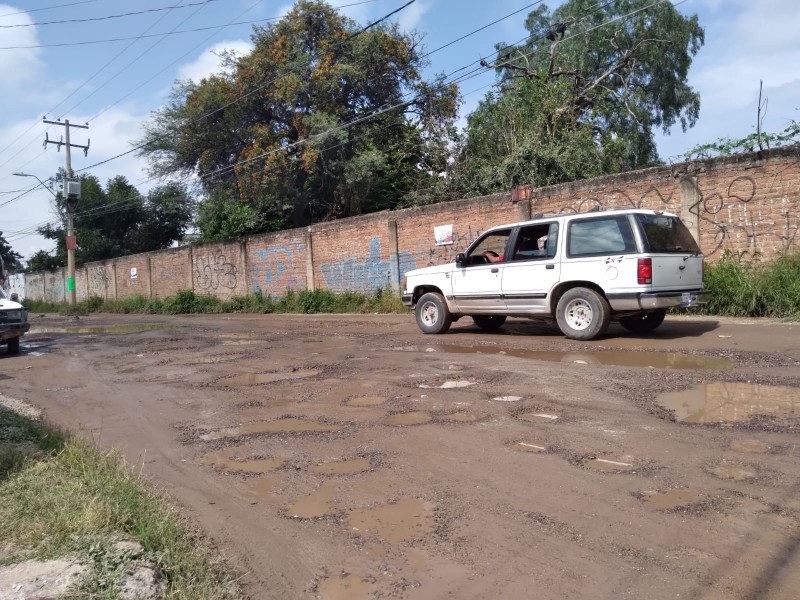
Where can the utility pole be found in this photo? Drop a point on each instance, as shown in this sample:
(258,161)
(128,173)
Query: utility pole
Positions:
(72,193)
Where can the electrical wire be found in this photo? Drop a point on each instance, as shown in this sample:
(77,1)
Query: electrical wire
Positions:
(19,12)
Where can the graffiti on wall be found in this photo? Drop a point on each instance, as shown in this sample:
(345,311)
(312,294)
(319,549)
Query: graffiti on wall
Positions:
(214,271)
(274,270)
(99,280)
(365,274)
(441,255)
(16,284)
(617,198)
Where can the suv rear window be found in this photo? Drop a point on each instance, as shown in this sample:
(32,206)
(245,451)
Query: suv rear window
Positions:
(666,234)
(603,235)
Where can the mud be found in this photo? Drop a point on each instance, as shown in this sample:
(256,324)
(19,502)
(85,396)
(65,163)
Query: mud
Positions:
(550,476)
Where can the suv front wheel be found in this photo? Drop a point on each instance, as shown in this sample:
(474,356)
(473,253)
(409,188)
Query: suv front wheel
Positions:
(582,314)
(432,314)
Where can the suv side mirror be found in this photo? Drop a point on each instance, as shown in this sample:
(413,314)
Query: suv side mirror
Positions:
(461,260)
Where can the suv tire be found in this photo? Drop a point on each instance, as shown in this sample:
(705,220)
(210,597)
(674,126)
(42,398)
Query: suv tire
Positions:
(432,314)
(582,314)
(13,346)
(644,322)
(489,322)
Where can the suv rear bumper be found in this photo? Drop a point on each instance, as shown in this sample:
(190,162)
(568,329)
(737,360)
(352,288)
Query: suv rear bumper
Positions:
(654,300)
(10,331)
(408,300)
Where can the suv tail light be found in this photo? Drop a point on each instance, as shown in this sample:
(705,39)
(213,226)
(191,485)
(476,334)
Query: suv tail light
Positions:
(644,271)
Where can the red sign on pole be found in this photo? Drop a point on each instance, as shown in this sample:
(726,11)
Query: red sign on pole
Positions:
(72,242)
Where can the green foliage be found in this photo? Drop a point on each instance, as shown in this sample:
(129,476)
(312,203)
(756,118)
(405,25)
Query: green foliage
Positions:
(22,439)
(790,136)
(117,221)
(306,119)
(752,289)
(9,260)
(581,97)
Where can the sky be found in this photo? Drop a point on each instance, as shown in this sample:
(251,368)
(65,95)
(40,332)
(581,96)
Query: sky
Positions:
(115,85)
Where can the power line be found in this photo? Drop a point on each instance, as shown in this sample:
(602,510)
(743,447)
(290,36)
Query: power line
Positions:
(119,16)
(32,10)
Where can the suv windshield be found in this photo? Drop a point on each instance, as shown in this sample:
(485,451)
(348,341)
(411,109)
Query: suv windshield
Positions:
(666,234)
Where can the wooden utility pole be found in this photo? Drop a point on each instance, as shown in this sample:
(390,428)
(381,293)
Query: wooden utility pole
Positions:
(72,194)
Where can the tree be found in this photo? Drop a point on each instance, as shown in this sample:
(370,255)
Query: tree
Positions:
(118,221)
(582,95)
(321,120)
(756,141)
(8,257)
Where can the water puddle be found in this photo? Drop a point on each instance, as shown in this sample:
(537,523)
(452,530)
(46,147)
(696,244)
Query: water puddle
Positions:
(749,446)
(228,461)
(286,426)
(447,385)
(616,358)
(259,378)
(262,487)
(315,505)
(408,418)
(507,398)
(348,587)
(607,465)
(463,417)
(130,328)
(537,417)
(669,500)
(364,401)
(342,467)
(530,447)
(720,402)
(407,519)
(732,472)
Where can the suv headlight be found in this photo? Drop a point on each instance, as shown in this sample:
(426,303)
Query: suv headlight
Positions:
(17,314)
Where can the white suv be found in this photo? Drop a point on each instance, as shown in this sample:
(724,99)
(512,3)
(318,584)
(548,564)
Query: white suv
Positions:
(583,269)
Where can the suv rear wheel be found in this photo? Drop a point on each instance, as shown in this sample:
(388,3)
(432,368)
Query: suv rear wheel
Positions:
(432,314)
(582,314)
(489,322)
(644,322)
(13,346)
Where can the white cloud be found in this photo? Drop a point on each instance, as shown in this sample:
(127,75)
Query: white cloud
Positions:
(410,17)
(18,67)
(768,26)
(209,62)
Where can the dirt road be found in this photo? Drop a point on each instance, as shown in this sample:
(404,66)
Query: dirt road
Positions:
(349,457)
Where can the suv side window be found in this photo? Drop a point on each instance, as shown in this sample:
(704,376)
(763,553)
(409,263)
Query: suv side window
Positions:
(536,242)
(599,236)
(489,249)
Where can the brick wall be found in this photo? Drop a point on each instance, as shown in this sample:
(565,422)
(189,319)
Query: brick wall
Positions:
(747,205)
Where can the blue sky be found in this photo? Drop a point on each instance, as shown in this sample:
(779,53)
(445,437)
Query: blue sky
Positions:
(114,86)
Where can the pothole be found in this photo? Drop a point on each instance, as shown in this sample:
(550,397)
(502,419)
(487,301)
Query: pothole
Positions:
(537,417)
(732,472)
(617,358)
(228,461)
(749,446)
(262,487)
(261,378)
(720,402)
(130,328)
(408,418)
(507,398)
(365,401)
(669,500)
(342,467)
(607,465)
(315,505)
(405,520)
(463,417)
(347,587)
(447,385)
(531,447)
(290,425)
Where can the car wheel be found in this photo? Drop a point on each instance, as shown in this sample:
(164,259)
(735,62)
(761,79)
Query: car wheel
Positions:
(13,346)
(489,322)
(432,314)
(582,314)
(644,322)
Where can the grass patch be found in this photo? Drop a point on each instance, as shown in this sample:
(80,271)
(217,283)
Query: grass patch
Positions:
(187,302)
(753,289)
(72,499)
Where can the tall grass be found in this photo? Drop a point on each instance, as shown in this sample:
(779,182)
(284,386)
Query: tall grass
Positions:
(753,289)
(187,302)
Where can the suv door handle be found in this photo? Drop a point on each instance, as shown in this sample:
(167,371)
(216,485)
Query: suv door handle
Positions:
(495,270)
(551,266)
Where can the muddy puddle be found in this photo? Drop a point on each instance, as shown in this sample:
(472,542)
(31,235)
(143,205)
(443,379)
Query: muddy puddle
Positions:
(408,418)
(732,472)
(719,402)
(130,328)
(463,416)
(347,587)
(405,520)
(607,465)
(616,358)
(531,447)
(531,417)
(286,426)
(447,385)
(669,500)
(366,401)
(229,460)
(342,467)
(260,378)
(261,487)
(749,446)
(315,505)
